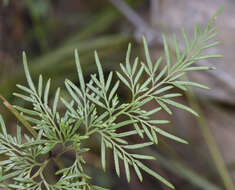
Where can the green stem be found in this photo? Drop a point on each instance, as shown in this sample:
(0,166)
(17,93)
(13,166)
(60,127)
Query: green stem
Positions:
(211,143)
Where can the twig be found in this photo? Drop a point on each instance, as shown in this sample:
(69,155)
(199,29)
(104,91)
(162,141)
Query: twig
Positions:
(18,116)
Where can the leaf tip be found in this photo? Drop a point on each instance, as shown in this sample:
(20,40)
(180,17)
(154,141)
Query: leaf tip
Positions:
(144,39)
(24,58)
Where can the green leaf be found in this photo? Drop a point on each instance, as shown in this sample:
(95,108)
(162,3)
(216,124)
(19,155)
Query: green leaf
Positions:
(138,75)
(153,111)
(16,186)
(96,101)
(109,81)
(24,89)
(113,91)
(186,40)
(68,106)
(177,76)
(27,111)
(127,169)
(147,132)
(167,53)
(210,45)
(31,119)
(128,55)
(137,146)
(154,174)
(162,90)
(177,49)
(10,175)
(46,92)
(135,65)
(208,57)
(95,90)
(98,188)
(123,123)
(102,116)
(57,94)
(48,147)
(124,70)
(103,153)
(26,98)
(19,139)
(71,92)
(116,162)
(71,86)
(145,84)
(5,162)
(171,95)
(40,86)
(75,127)
(123,79)
(164,106)
(196,32)
(157,64)
(181,87)
(147,55)
(163,71)
(188,83)
(143,157)
(79,70)
(119,140)
(181,106)
(158,121)
(199,68)
(139,131)
(97,82)
(137,171)
(125,134)
(100,70)
(209,37)
(27,74)
(164,133)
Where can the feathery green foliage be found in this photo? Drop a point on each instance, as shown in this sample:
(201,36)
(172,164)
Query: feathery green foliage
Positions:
(95,108)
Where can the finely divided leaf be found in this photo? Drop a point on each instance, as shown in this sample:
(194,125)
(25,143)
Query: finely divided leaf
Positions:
(103,153)
(79,70)
(100,70)
(46,92)
(181,106)
(127,169)
(154,174)
(167,53)
(57,94)
(147,55)
(27,74)
(3,126)
(116,162)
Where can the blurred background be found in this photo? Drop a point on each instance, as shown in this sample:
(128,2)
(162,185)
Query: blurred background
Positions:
(50,30)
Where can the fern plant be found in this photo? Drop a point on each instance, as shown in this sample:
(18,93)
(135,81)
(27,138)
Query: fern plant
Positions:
(95,108)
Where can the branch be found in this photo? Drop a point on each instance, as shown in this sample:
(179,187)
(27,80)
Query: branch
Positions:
(18,116)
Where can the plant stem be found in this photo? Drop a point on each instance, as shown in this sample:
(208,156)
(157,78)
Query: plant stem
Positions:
(211,143)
